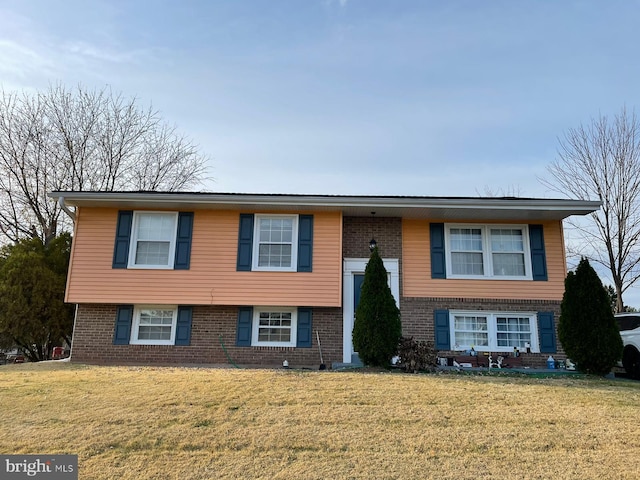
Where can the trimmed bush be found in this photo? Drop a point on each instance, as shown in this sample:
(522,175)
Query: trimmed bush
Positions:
(377,327)
(587,327)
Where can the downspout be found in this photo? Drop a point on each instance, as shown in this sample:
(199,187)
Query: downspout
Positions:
(66,210)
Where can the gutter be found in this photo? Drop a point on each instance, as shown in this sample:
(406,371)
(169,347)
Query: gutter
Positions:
(65,209)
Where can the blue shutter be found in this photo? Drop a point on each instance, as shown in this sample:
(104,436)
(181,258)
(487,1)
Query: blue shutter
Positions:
(123,236)
(443,334)
(538,255)
(183,241)
(438,262)
(305,243)
(304,327)
(245,320)
(183,326)
(124,319)
(245,242)
(547,332)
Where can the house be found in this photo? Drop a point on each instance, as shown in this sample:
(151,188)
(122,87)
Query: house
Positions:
(206,278)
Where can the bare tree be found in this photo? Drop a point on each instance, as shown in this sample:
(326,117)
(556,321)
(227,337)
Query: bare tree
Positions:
(80,139)
(601,161)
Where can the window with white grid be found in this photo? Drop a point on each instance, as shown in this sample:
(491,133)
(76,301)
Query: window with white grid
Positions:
(153,240)
(274,327)
(493,331)
(488,251)
(154,325)
(275,242)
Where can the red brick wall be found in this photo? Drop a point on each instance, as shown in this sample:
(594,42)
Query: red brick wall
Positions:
(417,318)
(358,231)
(95,324)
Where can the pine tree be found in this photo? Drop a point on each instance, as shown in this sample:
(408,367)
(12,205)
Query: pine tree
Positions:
(377,329)
(33,315)
(587,327)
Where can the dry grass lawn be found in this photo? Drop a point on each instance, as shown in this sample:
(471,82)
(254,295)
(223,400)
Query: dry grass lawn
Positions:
(196,423)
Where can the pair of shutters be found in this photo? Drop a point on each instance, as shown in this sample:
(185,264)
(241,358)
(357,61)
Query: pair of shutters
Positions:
(546,331)
(182,258)
(305,243)
(245,326)
(536,242)
(124,321)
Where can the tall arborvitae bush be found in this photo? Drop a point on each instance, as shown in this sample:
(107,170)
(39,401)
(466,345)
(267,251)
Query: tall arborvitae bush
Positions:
(377,327)
(587,327)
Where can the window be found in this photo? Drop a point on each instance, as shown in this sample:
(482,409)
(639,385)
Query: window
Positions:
(275,242)
(154,325)
(488,251)
(274,327)
(493,331)
(153,240)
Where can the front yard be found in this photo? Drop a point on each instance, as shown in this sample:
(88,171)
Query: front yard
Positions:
(197,423)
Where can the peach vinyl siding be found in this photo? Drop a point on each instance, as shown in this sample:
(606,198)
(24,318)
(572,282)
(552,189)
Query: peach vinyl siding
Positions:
(212,278)
(417,281)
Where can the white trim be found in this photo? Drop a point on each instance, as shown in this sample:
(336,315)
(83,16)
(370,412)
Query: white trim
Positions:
(256,244)
(133,340)
(352,266)
(255,326)
(134,238)
(492,329)
(500,209)
(487,253)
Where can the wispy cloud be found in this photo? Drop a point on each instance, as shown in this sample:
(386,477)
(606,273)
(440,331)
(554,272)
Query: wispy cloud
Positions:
(101,53)
(21,61)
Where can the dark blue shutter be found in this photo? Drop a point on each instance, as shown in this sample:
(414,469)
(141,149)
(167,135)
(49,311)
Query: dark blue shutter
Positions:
(438,262)
(304,327)
(305,243)
(245,242)
(183,241)
(183,326)
(245,320)
(443,334)
(547,332)
(123,237)
(538,255)
(124,318)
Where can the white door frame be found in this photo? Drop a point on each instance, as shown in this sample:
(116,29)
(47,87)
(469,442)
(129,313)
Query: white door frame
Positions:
(352,266)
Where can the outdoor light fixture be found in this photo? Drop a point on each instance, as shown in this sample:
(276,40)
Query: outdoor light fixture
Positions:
(372,244)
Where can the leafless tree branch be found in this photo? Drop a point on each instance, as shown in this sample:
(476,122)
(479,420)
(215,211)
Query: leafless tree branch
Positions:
(80,139)
(601,161)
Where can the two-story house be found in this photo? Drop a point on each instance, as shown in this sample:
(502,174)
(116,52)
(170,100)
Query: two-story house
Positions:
(206,278)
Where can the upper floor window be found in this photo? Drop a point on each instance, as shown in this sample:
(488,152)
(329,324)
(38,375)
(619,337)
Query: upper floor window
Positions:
(494,251)
(153,240)
(275,245)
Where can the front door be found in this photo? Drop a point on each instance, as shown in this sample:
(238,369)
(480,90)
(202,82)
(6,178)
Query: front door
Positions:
(353,277)
(358,280)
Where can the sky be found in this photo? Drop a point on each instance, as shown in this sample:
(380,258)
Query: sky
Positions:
(372,97)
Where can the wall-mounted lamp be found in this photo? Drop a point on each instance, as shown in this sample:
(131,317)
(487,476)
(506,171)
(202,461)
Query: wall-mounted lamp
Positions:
(372,244)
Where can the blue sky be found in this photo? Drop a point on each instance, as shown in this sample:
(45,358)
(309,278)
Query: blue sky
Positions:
(396,97)
(345,96)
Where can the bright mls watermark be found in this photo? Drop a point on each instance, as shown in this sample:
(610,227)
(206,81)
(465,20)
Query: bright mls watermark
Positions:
(49,467)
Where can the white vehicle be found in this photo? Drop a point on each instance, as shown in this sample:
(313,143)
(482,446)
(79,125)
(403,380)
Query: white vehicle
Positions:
(629,325)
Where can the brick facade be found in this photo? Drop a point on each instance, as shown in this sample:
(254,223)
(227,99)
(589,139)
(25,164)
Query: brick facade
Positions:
(212,326)
(418,321)
(358,231)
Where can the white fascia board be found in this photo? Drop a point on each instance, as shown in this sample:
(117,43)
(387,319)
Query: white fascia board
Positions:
(382,206)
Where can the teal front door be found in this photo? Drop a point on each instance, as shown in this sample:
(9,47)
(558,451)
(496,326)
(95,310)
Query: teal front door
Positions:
(358,279)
